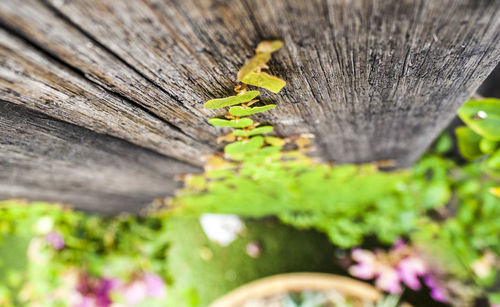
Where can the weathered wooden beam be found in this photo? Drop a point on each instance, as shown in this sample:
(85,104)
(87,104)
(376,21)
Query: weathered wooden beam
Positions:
(29,78)
(371,79)
(42,158)
(51,32)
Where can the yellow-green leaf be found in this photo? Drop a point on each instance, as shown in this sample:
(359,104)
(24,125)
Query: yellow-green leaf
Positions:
(494,160)
(488,146)
(234,123)
(264,80)
(257,61)
(468,143)
(274,141)
(255,131)
(229,101)
(482,116)
(244,147)
(240,111)
(269,46)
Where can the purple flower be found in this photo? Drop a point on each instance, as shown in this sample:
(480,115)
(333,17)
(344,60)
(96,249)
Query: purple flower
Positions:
(437,292)
(55,240)
(103,291)
(400,265)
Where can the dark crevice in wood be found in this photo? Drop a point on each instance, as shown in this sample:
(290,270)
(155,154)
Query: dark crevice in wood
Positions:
(95,41)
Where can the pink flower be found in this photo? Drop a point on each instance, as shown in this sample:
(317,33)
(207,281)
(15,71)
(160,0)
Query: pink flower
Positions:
(155,285)
(437,292)
(55,240)
(400,265)
(410,269)
(388,280)
(366,266)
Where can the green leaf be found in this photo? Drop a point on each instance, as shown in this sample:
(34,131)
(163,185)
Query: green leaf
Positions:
(494,297)
(240,111)
(269,46)
(488,146)
(468,143)
(482,116)
(494,160)
(264,80)
(229,101)
(240,123)
(245,146)
(257,61)
(258,130)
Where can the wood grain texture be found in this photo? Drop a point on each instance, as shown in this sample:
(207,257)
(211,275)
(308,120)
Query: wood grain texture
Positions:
(371,79)
(42,158)
(29,78)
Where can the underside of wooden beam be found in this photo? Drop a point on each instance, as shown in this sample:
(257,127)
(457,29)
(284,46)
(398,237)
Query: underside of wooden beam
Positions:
(42,158)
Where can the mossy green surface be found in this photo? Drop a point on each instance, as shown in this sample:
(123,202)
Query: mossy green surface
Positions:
(203,271)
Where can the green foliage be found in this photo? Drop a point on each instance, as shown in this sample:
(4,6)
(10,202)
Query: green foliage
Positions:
(482,116)
(468,143)
(258,130)
(240,111)
(234,123)
(119,247)
(230,101)
(482,135)
(245,146)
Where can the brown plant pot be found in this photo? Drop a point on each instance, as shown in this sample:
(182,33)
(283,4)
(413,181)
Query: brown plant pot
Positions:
(298,282)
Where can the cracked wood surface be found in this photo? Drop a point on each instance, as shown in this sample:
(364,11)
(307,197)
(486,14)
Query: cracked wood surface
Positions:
(46,159)
(372,80)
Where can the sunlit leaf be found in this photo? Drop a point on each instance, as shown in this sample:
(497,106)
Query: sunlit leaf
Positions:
(494,160)
(482,116)
(230,101)
(264,80)
(240,111)
(245,146)
(257,61)
(274,141)
(269,46)
(239,123)
(495,191)
(488,146)
(468,143)
(255,131)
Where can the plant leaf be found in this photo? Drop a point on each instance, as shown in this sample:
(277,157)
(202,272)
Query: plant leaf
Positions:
(269,46)
(488,146)
(258,130)
(245,146)
(240,111)
(494,160)
(275,141)
(240,123)
(468,143)
(257,61)
(482,116)
(229,101)
(264,80)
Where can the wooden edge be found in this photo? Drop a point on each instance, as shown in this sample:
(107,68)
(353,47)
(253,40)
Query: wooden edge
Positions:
(295,282)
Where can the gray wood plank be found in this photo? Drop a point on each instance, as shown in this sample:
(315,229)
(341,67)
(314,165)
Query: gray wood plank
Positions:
(371,79)
(30,78)
(42,158)
(49,31)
